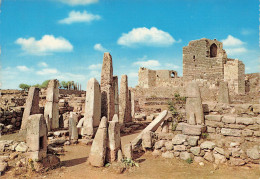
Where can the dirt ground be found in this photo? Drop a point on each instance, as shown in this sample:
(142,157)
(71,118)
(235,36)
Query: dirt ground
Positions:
(74,165)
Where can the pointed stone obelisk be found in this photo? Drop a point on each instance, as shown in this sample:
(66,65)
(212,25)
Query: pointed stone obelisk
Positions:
(51,109)
(194,110)
(107,91)
(115,83)
(223,93)
(124,114)
(31,106)
(98,149)
(73,130)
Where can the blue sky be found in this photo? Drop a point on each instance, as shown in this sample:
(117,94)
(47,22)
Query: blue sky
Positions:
(66,39)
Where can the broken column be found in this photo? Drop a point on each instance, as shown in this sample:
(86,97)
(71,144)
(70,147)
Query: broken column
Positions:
(98,149)
(124,113)
(31,106)
(194,110)
(73,130)
(132,104)
(114,140)
(115,87)
(51,109)
(36,137)
(107,91)
(223,94)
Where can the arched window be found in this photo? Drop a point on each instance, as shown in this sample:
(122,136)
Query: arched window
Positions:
(172,75)
(213,50)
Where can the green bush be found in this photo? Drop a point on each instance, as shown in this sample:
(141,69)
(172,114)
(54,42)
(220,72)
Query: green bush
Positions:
(189,160)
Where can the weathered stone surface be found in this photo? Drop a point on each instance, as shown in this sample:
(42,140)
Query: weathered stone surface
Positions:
(211,129)
(124,111)
(219,159)
(159,144)
(256,108)
(151,127)
(229,119)
(114,140)
(231,132)
(179,148)
(244,120)
(107,91)
(119,155)
(147,140)
(253,153)
(36,137)
(219,150)
(169,145)
(214,124)
(98,149)
(193,140)
(116,93)
(207,145)
(31,106)
(156,153)
(193,129)
(132,104)
(179,139)
(214,117)
(195,150)
(223,94)
(165,127)
(185,155)
(128,151)
(247,133)
(194,110)
(168,154)
(21,147)
(3,167)
(51,109)
(209,157)
(73,130)
(93,102)
(237,161)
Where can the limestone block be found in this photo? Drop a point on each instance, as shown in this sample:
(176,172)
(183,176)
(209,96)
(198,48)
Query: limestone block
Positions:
(179,139)
(124,110)
(168,154)
(237,161)
(128,151)
(147,140)
(193,129)
(256,108)
(209,157)
(219,159)
(213,117)
(214,124)
(159,144)
(253,153)
(195,150)
(207,145)
(229,119)
(223,94)
(247,133)
(230,132)
(219,150)
(98,149)
(244,120)
(193,140)
(169,145)
(114,140)
(185,155)
(73,130)
(179,147)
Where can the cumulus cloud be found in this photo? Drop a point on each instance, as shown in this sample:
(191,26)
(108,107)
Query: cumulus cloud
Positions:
(100,48)
(42,64)
(95,67)
(236,51)
(78,2)
(23,68)
(47,45)
(231,41)
(79,17)
(148,63)
(47,71)
(146,37)
(172,66)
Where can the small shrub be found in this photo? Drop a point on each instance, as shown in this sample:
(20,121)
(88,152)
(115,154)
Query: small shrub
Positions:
(204,135)
(107,165)
(189,160)
(129,162)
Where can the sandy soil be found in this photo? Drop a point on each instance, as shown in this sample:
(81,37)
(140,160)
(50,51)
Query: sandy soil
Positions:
(74,165)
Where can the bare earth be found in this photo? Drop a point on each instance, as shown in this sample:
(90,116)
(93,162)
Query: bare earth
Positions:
(74,165)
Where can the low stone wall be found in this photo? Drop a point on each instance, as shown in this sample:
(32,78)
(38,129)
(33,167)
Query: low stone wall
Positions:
(10,120)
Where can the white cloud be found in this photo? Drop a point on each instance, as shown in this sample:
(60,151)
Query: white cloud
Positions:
(148,63)
(23,68)
(47,71)
(247,31)
(231,41)
(42,64)
(78,2)
(133,75)
(78,17)
(172,66)
(236,51)
(47,45)
(146,37)
(95,67)
(100,48)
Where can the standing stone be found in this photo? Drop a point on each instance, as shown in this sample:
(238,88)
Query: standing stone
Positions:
(124,114)
(31,106)
(147,140)
(114,140)
(51,110)
(165,127)
(93,102)
(223,94)
(128,151)
(98,149)
(36,137)
(73,130)
(132,104)
(194,110)
(115,83)
(129,104)
(107,91)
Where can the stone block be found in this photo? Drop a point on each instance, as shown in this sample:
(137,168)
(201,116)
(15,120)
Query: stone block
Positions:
(244,120)
(214,117)
(193,140)
(179,139)
(231,132)
(195,150)
(179,148)
(229,119)
(207,145)
(193,129)
(185,155)
(214,124)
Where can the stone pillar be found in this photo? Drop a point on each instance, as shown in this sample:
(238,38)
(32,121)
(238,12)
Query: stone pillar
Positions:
(114,140)
(98,149)
(115,83)
(73,130)
(36,137)
(223,93)
(132,104)
(194,110)
(124,115)
(31,106)
(93,102)
(107,91)
(129,104)
(51,110)
(128,151)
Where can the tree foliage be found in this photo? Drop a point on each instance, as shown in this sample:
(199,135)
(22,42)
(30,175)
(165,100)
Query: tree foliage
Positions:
(24,86)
